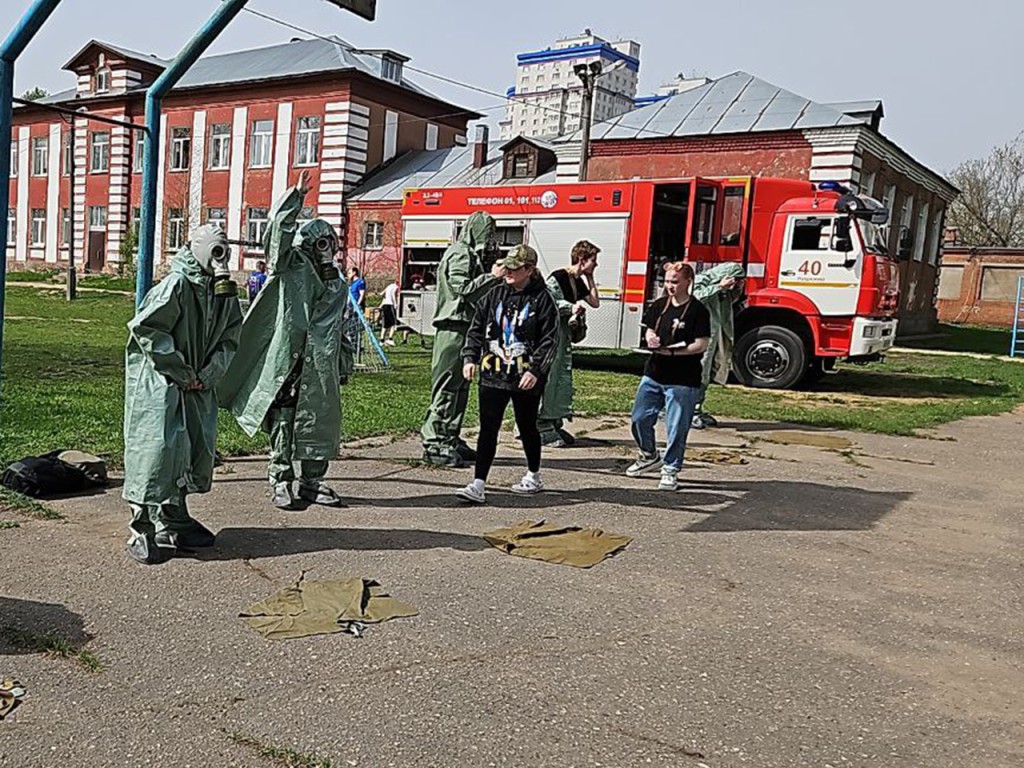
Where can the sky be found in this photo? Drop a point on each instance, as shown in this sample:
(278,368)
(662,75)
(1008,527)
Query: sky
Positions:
(946,70)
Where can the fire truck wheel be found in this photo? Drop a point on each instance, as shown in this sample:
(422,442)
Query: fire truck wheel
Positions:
(770,357)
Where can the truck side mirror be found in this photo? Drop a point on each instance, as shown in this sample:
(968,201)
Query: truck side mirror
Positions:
(841,240)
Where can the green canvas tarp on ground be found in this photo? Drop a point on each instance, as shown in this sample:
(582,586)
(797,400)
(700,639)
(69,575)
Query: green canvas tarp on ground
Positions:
(560,544)
(323,608)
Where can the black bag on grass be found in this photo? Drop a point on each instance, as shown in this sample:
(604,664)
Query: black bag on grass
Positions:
(49,476)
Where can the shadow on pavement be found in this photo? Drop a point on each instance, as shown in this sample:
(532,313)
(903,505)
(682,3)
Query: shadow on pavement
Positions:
(245,543)
(25,624)
(767,505)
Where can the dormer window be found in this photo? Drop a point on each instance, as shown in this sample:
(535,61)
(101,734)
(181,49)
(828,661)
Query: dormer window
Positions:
(101,78)
(391,69)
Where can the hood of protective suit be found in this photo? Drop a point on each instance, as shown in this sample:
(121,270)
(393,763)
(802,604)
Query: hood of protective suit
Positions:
(308,236)
(478,231)
(729,269)
(185,263)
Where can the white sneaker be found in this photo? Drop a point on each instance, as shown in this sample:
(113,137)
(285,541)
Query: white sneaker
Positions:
(669,480)
(472,494)
(528,485)
(642,464)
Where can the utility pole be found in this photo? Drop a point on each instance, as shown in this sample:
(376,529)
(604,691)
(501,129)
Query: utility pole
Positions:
(588,74)
(72,283)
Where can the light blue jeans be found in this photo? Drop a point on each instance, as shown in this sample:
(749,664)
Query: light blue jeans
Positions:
(679,403)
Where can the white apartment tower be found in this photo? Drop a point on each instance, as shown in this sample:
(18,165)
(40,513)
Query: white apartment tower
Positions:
(547,97)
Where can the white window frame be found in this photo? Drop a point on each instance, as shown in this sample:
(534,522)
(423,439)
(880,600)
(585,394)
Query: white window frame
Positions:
(102,80)
(261,145)
(67,151)
(12,226)
(175,228)
(255,228)
(99,152)
(14,158)
(97,218)
(921,232)
(373,235)
(220,147)
(307,141)
(136,217)
(37,230)
(221,220)
(935,244)
(66,225)
(139,159)
(390,69)
(40,156)
(181,148)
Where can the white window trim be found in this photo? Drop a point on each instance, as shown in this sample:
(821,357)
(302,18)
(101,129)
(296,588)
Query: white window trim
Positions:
(37,226)
(307,139)
(92,152)
(181,150)
(266,139)
(139,148)
(44,143)
(249,221)
(222,140)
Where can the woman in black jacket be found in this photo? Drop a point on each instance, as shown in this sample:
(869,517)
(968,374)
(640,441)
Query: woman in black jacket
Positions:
(512,341)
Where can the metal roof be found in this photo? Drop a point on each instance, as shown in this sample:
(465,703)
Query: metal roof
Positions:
(736,103)
(299,57)
(451,167)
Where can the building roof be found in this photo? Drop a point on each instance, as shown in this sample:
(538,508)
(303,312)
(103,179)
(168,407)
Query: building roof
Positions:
(736,103)
(284,60)
(451,167)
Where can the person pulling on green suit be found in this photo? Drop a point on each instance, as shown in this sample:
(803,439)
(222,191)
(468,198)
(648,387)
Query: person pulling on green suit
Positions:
(285,378)
(718,289)
(462,281)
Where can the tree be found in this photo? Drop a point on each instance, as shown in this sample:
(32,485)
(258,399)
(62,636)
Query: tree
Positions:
(35,94)
(990,208)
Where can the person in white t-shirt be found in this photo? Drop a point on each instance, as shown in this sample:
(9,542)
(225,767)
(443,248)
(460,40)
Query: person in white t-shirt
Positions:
(389,313)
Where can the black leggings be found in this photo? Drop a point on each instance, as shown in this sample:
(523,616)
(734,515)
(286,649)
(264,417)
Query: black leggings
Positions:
(493,402)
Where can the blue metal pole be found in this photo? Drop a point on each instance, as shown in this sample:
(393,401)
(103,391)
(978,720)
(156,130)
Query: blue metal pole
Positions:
(195,48)
(11,49)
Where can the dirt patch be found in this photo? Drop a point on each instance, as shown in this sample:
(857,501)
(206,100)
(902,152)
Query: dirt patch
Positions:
(49,319)
(814,439)
(715,456)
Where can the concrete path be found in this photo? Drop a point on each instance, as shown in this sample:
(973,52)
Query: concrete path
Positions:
(813,607)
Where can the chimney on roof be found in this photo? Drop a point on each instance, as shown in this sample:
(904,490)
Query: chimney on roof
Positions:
(480,141)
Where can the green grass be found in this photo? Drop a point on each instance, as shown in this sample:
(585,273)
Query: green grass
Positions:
(283,756)
(107,282)
(64,386)
(7,524)
(33,276)
(11,501)
(966,338)
(51,645)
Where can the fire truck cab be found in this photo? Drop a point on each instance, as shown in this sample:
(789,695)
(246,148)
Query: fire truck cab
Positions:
(819,284)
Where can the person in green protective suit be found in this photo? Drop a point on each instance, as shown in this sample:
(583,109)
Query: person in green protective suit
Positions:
(574,290)
(462,280)
(180,343)
(285,378)
(718,289)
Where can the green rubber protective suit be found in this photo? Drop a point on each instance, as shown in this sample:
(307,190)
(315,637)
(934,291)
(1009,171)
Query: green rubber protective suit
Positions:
(717,358)
(461,282)
(182,333)
(556,406)
(284,380)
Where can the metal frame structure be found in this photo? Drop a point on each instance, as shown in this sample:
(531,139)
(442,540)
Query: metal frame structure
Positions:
(10,50)
(1017,335)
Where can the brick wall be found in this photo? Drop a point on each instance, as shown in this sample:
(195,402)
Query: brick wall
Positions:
(977,286)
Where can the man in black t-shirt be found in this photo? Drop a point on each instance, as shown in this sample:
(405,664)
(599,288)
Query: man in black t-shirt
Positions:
(677,329)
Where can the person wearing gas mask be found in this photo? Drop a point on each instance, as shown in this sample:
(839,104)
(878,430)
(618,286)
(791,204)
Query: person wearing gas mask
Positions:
(180,343)
(462,280)
(718,289)
(285,378)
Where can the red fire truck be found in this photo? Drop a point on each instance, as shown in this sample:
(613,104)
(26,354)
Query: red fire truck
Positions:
(820,285)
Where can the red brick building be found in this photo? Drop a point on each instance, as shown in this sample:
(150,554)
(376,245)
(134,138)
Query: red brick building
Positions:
(978,286)
(736,125)
(236,132)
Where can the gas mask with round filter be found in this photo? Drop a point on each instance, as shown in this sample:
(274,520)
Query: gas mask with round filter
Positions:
(210,248)
(319,242)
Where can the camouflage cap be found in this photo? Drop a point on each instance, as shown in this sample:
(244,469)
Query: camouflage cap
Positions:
(518,257)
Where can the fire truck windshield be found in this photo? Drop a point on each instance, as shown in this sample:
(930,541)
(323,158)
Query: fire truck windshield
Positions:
(874,237)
